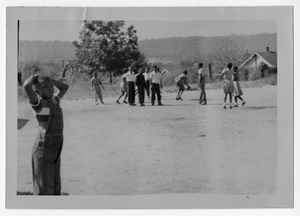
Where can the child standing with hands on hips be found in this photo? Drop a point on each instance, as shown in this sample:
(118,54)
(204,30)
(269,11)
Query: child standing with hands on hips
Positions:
(49,142)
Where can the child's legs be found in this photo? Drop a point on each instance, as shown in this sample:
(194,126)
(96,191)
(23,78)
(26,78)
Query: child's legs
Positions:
(230,98)
(225,98)
(153,90)
(100,95)
(235,99)
(96,96)
(203,93)
(178,94)
(121,95)
(158,93)
(181,93)
(57,179)
(239,97)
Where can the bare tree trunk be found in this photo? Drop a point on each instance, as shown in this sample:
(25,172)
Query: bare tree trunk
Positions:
(210,71)
(110,77)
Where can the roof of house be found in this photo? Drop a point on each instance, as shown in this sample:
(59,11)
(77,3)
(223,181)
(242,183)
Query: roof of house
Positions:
(270,57)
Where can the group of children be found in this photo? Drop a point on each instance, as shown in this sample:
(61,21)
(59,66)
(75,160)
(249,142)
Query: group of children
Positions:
(46,106)
(143,81)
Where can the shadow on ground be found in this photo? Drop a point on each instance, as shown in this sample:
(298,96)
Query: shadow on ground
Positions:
(30,193)
(259,107)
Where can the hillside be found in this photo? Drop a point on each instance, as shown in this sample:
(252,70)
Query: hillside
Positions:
(191,48)
(168,49)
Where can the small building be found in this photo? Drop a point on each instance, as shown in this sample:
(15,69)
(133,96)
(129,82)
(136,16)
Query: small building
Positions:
(254,61)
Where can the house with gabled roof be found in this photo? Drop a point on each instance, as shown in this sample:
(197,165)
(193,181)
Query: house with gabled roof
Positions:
(257,58)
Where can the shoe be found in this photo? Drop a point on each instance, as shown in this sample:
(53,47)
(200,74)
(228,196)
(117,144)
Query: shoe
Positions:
(142,104)
(125,102)
(204,104)
(180,98)
(230,106)
(152,103)
(224,106)
(133,104)
(118,102)
(102,102)
(177,98)
(235,105)
(243,103)
(97,103)
(160,104)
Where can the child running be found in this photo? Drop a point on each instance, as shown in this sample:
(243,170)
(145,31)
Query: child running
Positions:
(181,81)
(48,145)
(228,86)
(123,86)
(237,88)
(96,83)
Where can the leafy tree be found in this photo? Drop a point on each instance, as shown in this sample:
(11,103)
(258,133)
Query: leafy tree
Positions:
(104,47)
(228,51)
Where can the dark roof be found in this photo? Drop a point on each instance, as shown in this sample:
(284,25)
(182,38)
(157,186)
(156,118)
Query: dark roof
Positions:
(271,57)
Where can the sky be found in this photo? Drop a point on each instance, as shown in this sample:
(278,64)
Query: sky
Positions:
(65,30)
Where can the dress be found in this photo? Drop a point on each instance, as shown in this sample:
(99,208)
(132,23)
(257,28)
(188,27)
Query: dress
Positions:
(237,88)
(96,83)
(228,86)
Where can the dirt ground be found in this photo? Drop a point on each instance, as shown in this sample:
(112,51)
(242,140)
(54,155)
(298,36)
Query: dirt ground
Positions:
(181,147)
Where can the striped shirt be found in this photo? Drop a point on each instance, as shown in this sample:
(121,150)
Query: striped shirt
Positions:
(41,111)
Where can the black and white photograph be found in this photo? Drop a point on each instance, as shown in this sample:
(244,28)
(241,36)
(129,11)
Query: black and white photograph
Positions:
(150,107)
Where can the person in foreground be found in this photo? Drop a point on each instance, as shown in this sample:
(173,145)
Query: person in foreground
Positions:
(48,145)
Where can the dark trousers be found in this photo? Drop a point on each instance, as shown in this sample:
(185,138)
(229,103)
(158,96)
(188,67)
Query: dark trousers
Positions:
(141,91)
(202,94)
(148,88)
(155,89)
(131,92)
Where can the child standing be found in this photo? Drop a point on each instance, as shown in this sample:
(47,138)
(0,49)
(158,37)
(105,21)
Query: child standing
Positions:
(141,84)
(96,83)
(156,85)
(47,147)
(181,81)
(123,86)
(130,77)
(237,88)
(147,80)
(228,86)
(201,84)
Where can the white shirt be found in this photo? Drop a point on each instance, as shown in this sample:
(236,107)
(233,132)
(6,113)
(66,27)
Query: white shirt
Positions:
(155,77)
(201,72)
(147,76)
(130,76)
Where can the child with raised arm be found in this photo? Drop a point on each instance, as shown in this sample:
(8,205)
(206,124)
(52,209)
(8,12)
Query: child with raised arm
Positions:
(237,88)
(47,147)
